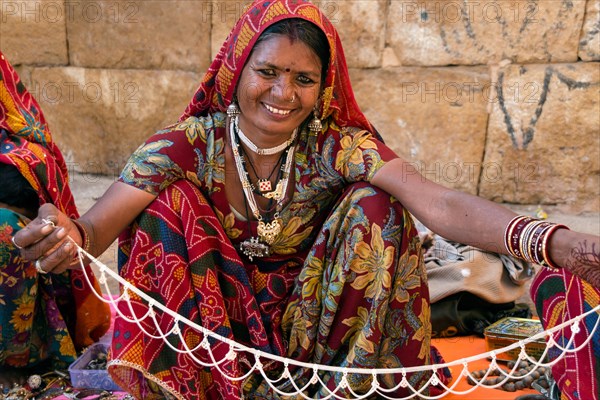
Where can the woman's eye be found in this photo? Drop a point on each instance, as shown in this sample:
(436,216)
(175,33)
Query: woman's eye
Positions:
(305,80)
(266,72)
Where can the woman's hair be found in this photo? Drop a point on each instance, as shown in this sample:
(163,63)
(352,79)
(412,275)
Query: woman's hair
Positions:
(306,32)
(16,191)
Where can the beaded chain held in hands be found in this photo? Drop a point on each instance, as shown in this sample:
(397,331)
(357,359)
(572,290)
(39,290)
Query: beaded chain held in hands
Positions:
(175,333)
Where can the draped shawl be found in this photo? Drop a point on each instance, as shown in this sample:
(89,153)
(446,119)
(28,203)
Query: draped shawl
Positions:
(27,144)
(218,85)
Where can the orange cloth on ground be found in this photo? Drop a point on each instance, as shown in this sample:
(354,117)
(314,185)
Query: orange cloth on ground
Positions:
(466,346)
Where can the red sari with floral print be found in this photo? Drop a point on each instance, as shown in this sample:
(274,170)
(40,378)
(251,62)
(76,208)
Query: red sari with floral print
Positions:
(344,286)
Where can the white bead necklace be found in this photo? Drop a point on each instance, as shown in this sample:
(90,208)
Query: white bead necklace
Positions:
(254,148)
(267,231)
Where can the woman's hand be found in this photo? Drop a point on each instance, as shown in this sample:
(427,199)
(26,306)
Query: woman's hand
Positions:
(48,241)
(579,253)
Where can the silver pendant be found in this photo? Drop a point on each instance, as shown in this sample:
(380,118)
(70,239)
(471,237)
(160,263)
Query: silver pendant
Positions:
(254,248)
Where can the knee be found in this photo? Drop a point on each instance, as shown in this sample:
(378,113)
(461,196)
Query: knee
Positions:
(374,203)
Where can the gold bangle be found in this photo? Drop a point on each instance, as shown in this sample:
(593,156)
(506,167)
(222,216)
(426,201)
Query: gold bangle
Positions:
(85,238)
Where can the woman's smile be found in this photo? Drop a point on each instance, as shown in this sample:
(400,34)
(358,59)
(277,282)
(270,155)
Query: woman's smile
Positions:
(278,89)
(277,110)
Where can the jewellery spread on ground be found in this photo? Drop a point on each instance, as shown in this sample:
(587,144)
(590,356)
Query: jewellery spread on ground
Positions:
(267,230)
(532,376)
(148,318)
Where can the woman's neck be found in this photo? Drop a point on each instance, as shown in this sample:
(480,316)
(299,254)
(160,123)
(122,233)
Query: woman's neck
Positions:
(260,139)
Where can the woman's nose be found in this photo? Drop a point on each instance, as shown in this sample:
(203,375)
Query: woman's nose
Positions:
(284,91)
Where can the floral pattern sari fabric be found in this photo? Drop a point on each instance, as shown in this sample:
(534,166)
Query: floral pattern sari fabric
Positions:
(50,316)
(35,310)
(344,285)
(560,296)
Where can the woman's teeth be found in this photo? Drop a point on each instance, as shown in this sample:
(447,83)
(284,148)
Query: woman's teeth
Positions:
(277,111)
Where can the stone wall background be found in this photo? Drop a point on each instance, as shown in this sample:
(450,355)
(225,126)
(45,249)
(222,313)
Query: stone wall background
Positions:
(498,98)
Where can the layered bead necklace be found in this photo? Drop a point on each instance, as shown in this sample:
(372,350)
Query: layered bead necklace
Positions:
(267,230)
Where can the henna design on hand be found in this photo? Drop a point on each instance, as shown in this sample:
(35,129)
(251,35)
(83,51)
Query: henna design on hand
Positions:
(584,262)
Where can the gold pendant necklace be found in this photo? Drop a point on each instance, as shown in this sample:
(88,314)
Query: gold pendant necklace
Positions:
(269,231)
(276,194)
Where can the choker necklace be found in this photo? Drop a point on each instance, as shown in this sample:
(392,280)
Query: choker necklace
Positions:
(267,231)
(254,148)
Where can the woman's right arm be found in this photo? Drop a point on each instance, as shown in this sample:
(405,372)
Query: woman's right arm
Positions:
(103,223)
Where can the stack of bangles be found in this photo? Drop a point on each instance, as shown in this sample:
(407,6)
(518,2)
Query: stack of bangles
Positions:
(528,238)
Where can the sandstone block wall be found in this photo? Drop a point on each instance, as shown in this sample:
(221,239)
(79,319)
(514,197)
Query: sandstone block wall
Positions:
(499,98)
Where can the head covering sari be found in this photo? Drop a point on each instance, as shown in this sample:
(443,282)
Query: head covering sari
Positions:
(218,86)
(27,145)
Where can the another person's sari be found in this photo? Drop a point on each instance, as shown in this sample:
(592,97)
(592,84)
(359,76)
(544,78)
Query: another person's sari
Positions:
(43,318)
(560,296)
(345,285)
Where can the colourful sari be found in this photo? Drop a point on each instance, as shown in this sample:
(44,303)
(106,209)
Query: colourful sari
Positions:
(42,317)
(344,286)
(560,296)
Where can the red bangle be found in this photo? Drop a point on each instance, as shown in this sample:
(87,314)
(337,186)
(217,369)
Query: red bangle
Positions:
(536,239)
(547,260)
(528,238)
(513,234)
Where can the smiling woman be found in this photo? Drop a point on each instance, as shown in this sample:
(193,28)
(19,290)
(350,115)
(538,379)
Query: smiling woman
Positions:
(273,214)
(278,87)
(282,79)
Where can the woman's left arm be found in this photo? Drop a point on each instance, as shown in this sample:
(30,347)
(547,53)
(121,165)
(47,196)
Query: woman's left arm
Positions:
(469,219)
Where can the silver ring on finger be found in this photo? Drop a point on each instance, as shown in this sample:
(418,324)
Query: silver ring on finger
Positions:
(38,267)
(48,222)
(15,243)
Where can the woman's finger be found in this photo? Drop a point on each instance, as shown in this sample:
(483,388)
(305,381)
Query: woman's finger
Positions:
(38,228)
(51,240)
(58,260)
(31,239)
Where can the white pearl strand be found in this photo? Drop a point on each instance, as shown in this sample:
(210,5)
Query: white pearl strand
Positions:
(254,148)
